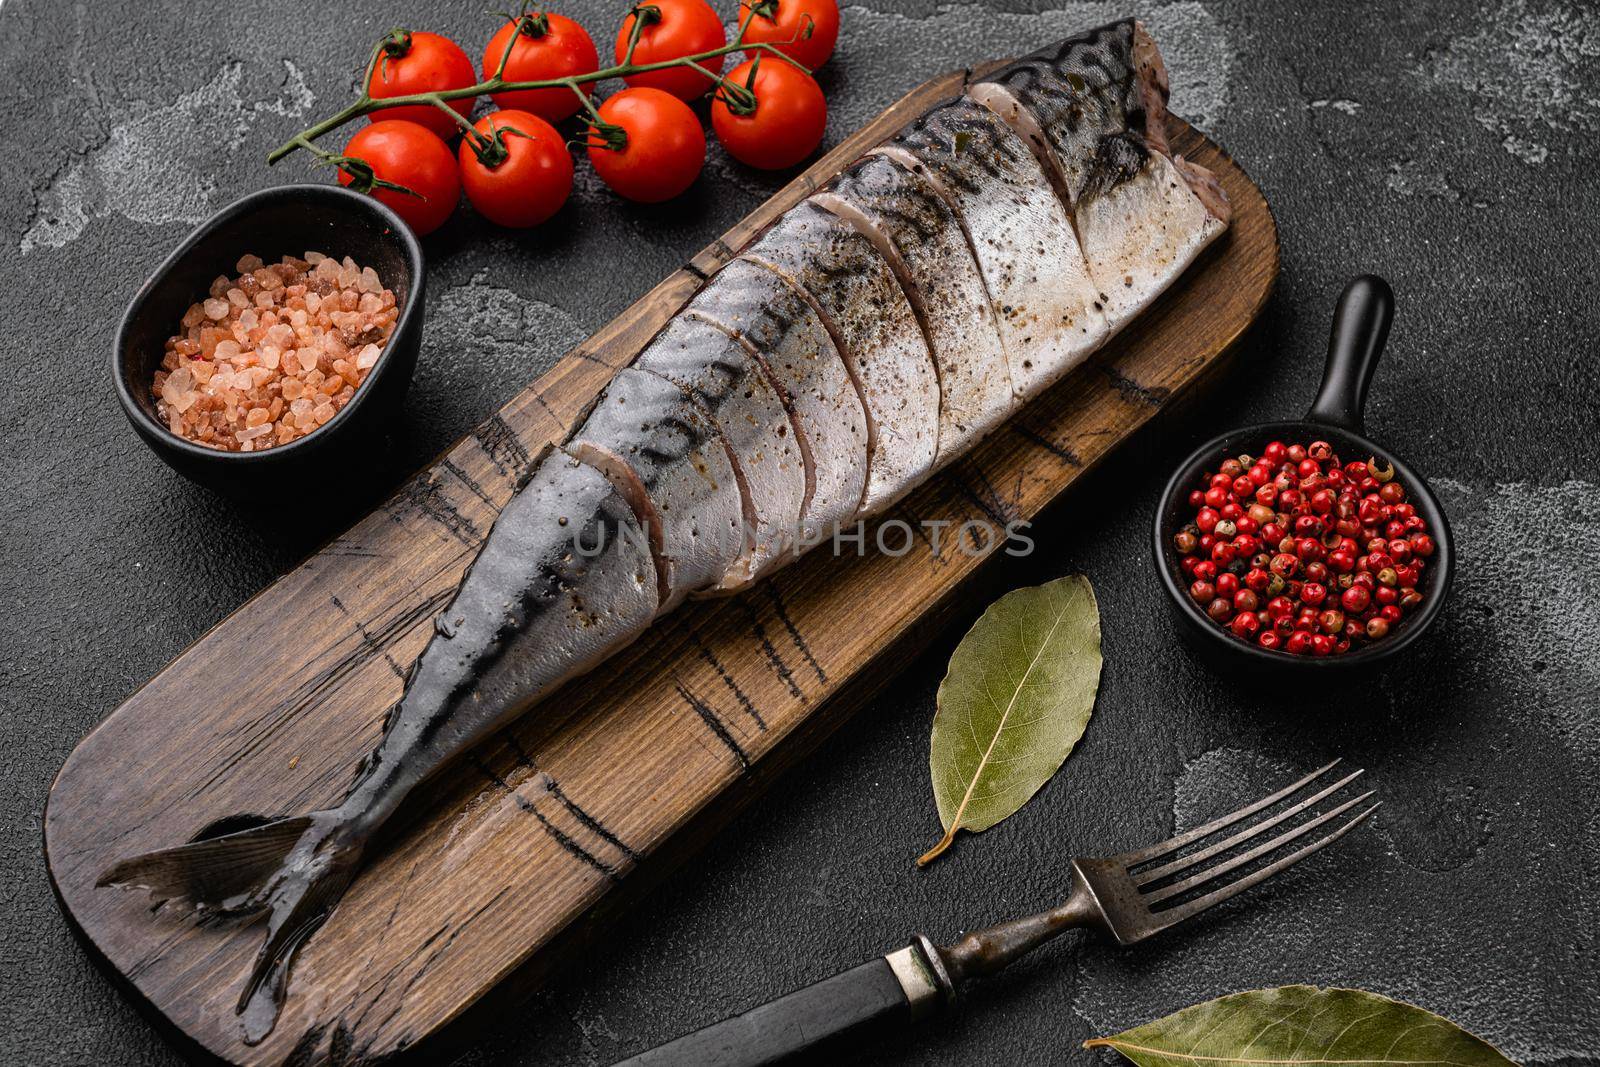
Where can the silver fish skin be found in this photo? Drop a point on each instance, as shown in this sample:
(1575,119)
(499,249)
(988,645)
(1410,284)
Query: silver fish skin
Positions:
(918,233)
(762,309)
(668,460)
(868,338)
(1047,307)
(874,327)
(722,376)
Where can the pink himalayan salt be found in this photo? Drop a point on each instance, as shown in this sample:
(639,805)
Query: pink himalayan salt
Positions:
(269,356)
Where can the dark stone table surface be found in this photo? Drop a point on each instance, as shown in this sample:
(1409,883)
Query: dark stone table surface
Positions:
(1440,143)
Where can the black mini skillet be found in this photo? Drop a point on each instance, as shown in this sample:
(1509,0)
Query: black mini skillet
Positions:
(1360,327)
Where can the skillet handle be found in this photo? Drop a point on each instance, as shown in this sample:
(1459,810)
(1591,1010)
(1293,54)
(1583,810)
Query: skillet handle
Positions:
(1360,328)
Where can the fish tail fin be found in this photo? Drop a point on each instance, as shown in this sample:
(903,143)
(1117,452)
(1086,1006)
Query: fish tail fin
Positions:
(215,873)
(294,869)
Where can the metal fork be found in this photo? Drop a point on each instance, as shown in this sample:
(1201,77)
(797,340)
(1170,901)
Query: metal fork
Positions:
(1126,898)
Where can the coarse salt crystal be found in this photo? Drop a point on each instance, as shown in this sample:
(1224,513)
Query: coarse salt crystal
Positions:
(274,364)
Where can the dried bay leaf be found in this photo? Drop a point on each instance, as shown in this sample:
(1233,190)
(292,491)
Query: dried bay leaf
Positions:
(1301,1024)
(1017,697)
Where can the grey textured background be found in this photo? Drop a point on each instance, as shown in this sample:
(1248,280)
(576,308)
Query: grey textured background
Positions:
(1445,145)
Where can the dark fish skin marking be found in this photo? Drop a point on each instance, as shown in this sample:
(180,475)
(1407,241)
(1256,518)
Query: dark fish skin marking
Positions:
(1139,394)
(1090,79)
(794,631)
(713,721)
(558,835)
(501,444)
(366,638)
(1060,451)
(984,146)
(468,480)
(954,213)
(423,496)
(727,679)
(776,661)
(923,215)
(577,812)
(1117,159)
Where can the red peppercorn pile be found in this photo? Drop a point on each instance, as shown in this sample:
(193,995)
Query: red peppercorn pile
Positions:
(1303,554)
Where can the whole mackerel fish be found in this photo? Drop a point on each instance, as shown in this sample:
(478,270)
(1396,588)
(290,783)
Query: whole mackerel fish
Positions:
(868,337)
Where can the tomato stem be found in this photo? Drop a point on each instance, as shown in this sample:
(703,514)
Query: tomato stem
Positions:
(365,104)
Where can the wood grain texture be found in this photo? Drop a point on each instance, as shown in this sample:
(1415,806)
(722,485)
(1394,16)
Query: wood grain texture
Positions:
(516,855)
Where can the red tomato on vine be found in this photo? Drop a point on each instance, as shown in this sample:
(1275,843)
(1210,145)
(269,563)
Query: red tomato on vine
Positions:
(783,23)
(421,62)
(547,46)
(786,123)
(405,154)
(650,146)
(673,29)
(520,173)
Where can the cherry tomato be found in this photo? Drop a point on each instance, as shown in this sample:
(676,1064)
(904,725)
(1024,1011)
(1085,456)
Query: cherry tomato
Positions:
(408,155)
(787,123)
(779,22)
(663,146)
(681,28)
(533,180)
(421,62)
(548,46)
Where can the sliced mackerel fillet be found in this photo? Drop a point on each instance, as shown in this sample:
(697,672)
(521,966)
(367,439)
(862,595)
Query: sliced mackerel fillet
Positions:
(667,458)
(726,380)
(1066,98)
(865,310)
(1038,282)
(1094,111)
(921,237)
(779,326)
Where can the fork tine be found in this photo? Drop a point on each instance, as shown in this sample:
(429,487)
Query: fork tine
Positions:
(1211,873)
(1216,896)
(1155,874)
(1161,848)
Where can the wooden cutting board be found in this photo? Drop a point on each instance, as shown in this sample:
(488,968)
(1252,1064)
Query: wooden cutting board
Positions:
(521,851)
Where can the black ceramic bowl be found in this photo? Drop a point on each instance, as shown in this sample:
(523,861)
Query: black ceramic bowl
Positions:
(288,220)
(1360,327)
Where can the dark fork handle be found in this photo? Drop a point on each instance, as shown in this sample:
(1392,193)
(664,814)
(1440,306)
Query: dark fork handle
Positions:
(870,994)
